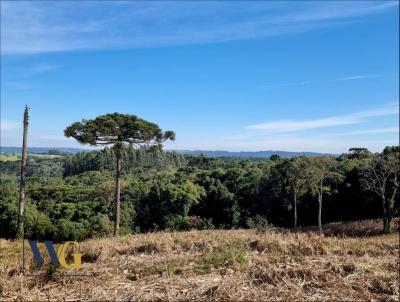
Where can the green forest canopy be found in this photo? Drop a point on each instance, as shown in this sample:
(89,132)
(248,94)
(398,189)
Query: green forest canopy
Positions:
(71,196)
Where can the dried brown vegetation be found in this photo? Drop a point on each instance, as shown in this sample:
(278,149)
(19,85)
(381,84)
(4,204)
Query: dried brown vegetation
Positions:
(219,265)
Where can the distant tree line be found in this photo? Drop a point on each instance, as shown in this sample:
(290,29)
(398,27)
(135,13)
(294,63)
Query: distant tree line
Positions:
(72,197)
(133,160)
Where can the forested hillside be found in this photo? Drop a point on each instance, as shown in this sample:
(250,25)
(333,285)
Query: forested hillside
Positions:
(71,196)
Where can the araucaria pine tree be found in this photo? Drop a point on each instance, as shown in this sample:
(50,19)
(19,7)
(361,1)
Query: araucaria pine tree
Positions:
(118,130)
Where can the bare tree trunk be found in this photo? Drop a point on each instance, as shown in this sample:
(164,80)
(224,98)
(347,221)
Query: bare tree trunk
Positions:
(21,208)
(295,209)
(389,209)
(117,193)
(386,222)
(320,210)
(389,220)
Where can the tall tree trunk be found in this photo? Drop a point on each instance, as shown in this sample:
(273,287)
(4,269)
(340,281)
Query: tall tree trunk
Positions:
(389,220)
(390,206)
(21,208)
(320,210)
(386,222)
(117,193)
(295,209)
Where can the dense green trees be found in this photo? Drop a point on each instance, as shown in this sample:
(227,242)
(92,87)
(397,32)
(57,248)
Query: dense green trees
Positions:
(72,197)
(382,177)
(320,170)
(133,160)
(293,174)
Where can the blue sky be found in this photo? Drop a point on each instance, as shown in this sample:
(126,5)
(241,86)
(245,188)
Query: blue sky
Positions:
(297,76)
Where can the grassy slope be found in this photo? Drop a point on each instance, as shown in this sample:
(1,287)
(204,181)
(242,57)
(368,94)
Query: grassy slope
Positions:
(220,265)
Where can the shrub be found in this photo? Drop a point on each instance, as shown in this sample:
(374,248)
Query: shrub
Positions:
(37,225)
(199,223)
(257,222)
(232,256)
(102,225)
(8,214)
(66,230)
(177,223)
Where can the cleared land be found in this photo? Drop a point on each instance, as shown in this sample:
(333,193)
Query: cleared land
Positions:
(9,157)
(351,262)
(15,157)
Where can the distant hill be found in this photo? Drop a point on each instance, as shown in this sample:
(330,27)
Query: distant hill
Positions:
(209,153)
(249,154)
(40,150)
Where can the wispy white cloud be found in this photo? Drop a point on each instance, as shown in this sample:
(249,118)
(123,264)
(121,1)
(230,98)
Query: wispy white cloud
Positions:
(359,77)
(290,126)
(354,118)
(291,137)
(31,71)
(21,78)
(338,10)
(36,27)
(37,69)
(308,82)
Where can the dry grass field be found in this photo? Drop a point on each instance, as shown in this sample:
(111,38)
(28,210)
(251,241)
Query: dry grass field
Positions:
(15,157)
(9,157)
(351,262)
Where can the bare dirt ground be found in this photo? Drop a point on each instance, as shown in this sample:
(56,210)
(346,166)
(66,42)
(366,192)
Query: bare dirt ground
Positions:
(351,262)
